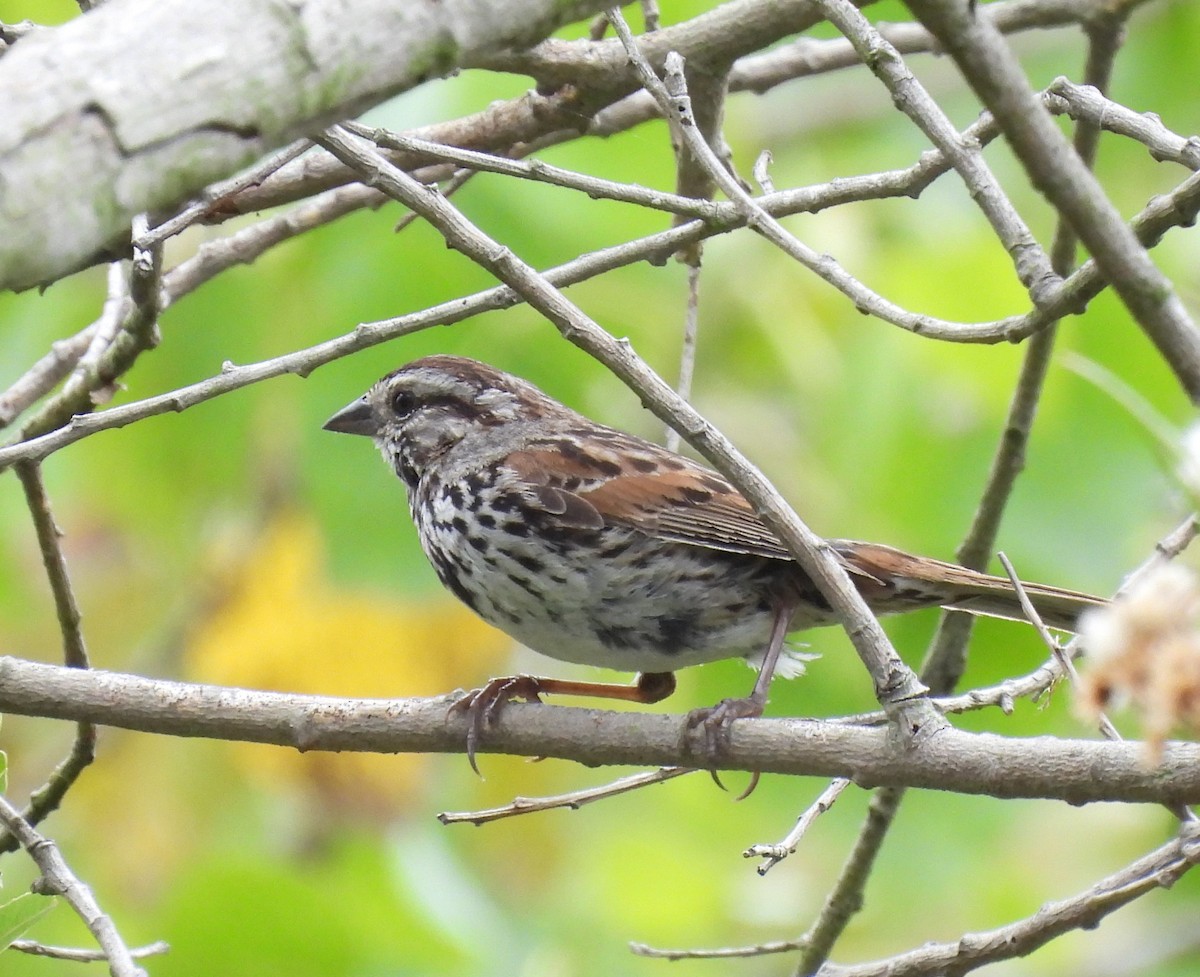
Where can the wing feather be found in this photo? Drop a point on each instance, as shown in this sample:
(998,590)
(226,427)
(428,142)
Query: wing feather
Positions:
(634,483)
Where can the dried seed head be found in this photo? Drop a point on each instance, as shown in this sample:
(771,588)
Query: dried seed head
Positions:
(1145,653)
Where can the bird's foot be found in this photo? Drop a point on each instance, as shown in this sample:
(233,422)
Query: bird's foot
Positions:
(482,706)
(717,721)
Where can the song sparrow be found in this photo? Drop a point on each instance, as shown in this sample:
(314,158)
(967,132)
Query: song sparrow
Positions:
(595,546)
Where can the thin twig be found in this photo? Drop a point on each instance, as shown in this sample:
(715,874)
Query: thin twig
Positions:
(845,899)
(540,172)
(715,953)
(1103,723)
(48,534)
(677,107)
(989,65)
(574,799)
(107,327)
(247,244)
(687,349)
(58,879)
(219,194)
(1031,263)
(1086,103)
(83,749)
(776,853)
(79,955)
(1165,550)
(139,332)
(457,180)
(45,374)
(1159,869)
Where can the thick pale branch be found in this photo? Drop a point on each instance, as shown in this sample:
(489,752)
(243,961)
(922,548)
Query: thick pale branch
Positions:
(230,83)
(1076,771)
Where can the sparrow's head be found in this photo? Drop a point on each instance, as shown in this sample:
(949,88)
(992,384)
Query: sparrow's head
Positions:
(418,412)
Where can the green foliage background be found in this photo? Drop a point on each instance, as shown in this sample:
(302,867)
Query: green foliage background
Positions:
(311,866)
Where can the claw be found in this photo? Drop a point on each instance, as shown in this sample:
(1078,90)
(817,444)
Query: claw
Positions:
(755,777)
(718,724)
(484,705)
(718,721)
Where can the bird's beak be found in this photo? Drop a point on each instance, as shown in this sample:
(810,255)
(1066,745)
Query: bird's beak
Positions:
(354,418)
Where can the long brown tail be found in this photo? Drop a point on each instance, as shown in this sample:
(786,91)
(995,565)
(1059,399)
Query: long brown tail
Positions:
(892,580)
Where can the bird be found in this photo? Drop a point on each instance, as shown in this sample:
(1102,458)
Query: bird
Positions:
(595,546)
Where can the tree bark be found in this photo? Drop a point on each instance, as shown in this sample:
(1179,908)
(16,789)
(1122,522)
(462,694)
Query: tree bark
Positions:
(139,104)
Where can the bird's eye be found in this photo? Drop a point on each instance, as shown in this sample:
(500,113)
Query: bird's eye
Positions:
(403,403)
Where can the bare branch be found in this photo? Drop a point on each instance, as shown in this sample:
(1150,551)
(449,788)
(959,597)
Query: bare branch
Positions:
(687,349)
(1175,209)
(78,955)
(138,332)
(574,799)
(992,70)
(776,853)
(45,374)
(105,148)
(1159,869)
(1032,264)
(217,195)
(720,953)
(1086,103)
(58,879)
(516,127)
(979,763)
(83,749)
(538,171)
(249,243)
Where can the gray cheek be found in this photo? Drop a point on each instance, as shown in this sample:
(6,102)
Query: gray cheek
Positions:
(428,435)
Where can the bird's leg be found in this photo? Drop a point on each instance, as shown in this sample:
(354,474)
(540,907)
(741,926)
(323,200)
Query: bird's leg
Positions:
(718,719)
(483,705)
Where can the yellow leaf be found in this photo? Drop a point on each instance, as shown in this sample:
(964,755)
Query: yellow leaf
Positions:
(281,625)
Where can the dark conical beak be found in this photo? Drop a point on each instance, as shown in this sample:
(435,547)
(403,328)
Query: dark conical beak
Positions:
(355,418)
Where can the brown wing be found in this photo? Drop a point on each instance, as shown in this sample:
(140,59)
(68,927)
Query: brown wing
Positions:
(626,481)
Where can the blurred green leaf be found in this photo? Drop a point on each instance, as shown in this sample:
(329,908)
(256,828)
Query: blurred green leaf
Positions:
(17,915)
